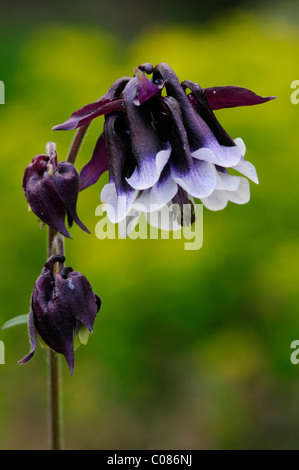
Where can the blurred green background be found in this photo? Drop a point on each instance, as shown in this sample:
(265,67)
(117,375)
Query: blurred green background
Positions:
(191,349)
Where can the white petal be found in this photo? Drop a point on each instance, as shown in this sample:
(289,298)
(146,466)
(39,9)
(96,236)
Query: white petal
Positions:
(221,155)
(156,197)
(149,170)
(240,143)
(219,199)
(242,194)
(247,169)
(199,181)
(117,206)
(216,201)
(227,181)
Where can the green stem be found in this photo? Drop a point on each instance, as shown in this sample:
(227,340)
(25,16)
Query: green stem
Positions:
(55,405)
(55,245)
(76,144)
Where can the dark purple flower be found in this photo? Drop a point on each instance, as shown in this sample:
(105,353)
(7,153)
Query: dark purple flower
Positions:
(61,304)
(51,190)
(161,149)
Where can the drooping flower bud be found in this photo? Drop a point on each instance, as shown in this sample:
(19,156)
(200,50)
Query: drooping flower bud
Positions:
(51,190)
(61,304)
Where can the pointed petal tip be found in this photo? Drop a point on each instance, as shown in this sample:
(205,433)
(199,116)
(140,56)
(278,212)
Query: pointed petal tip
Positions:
(81,225)
(68,125)
(61,127)
(232,96)
(63,231)
(98,164)
(26,358)
(70,360)
(89,112)
(147,89)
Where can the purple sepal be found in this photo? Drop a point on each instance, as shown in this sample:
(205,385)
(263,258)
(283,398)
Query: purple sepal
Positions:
(231,97)
(98,164)
(67,181)
(42,195)
(60,304)
(108,103)
(150,154)
(51,190)
(88,113)
(146,88)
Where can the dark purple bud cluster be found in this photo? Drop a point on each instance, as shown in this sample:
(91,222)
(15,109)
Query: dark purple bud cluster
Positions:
(51,190)
(61,304)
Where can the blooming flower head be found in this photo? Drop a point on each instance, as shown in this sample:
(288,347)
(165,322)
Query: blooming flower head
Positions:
(62,304)
(165,148)
(51,190)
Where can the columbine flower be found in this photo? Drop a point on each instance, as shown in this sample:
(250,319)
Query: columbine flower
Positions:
(164,149)
(51,190)
(62,304)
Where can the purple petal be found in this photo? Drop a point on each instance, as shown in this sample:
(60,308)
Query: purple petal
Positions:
(77,295)
(36,167)
(89,112)
(206,113)
(53,321)
(55,326)
(67,181)
(146,88)
(232,96)
(151,156)
(50,316)
(195,177)
(98,164)
(200,137)
(121,160)
(45,201)
(148,172)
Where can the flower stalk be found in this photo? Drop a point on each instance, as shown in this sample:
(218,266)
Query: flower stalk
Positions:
(55,245)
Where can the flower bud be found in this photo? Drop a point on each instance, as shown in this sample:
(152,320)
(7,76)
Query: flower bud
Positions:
(51,190)
(61,304)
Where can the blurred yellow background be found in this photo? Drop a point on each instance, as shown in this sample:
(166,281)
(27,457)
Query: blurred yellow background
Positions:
(191,349)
